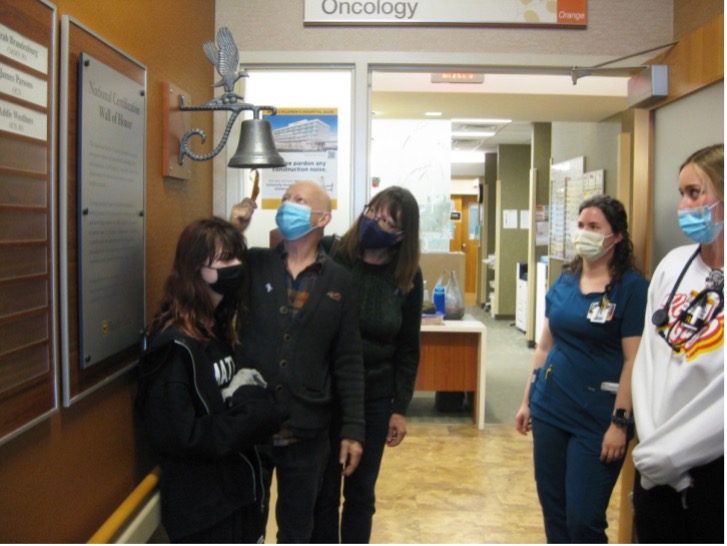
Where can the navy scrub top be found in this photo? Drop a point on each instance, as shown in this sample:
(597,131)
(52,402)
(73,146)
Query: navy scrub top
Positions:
(567,391)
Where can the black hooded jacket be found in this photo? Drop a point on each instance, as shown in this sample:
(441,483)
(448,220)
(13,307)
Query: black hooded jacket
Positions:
(210,466)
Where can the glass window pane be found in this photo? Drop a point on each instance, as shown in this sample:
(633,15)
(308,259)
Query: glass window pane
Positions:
(313,134)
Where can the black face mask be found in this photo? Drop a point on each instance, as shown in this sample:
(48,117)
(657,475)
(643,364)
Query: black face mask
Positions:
(229,280)
(371,235)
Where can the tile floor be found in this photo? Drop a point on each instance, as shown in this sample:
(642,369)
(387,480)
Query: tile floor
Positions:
(453,484)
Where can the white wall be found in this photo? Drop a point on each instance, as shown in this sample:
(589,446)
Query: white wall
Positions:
(681,127)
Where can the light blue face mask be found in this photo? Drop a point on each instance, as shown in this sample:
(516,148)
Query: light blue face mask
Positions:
(697,224)
(293,219)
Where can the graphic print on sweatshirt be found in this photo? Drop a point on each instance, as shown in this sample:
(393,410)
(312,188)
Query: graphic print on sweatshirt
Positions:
(681,333)
(224,370)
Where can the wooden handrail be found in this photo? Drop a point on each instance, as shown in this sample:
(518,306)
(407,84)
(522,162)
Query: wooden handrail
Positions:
(126,509)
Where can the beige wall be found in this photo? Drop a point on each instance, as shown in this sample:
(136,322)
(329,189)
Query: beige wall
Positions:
(513,193)
(689,15)
(598,142)
(615,28)
(62,478)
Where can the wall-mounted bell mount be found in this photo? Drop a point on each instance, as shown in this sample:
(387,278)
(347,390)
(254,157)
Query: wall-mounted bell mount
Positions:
(256,148)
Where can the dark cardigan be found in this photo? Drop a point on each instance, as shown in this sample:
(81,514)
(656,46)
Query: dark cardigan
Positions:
(390,324)
(311,359)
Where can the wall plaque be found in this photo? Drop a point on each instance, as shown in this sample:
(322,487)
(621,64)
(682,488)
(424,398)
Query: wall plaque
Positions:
(19,47)
(111,210)
(22,85)
(23,121)
(102,173)
(28,371)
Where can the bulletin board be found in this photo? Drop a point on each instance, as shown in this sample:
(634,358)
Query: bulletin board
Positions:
(114,77)
(578,189)
(28,362)
(561,175)
(569,187)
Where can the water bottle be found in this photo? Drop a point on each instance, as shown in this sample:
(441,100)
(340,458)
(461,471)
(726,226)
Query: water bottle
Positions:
(453,300)
(438,298)
(425,292)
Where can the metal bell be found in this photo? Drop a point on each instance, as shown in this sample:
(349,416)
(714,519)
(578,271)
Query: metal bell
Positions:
(256,148)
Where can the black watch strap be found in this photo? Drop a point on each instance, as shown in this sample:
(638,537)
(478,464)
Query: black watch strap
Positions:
(621,417)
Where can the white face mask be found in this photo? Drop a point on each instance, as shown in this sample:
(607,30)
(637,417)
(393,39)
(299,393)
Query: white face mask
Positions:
(589,244)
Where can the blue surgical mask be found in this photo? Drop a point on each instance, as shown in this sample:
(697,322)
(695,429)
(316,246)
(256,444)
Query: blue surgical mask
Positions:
(372,235)
(697,224)
(293,219)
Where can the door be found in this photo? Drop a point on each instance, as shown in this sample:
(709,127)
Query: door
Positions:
(466,239)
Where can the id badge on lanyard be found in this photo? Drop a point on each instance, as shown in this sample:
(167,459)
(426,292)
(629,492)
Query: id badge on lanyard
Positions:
(601,312)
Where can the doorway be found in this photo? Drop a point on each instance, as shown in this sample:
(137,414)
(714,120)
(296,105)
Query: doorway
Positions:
(466,238)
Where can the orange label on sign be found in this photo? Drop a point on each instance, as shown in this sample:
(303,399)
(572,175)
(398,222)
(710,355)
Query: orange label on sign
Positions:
(572,12)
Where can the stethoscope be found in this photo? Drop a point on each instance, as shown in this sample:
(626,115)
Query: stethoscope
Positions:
(715,284)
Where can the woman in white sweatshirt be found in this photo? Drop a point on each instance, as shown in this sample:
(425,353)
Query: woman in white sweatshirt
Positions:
(678,376)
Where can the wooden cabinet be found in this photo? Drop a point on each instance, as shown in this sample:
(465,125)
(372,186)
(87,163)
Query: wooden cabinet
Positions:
(453,359)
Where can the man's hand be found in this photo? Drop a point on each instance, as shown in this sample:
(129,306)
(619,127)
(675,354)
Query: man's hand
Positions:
(350,456)
(242,213)
(397,430)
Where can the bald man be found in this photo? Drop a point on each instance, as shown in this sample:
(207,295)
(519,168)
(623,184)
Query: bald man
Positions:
(303,337)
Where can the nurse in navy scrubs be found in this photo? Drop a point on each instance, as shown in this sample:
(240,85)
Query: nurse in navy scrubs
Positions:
(578,397)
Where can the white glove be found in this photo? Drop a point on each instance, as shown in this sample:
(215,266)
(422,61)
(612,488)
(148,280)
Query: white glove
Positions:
(244,376)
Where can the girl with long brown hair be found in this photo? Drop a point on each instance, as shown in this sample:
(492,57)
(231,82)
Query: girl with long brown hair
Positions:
(203,410)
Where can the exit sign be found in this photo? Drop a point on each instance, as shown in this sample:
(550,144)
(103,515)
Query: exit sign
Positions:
(457,77)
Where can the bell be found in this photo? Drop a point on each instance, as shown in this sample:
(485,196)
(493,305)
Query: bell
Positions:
(256,149)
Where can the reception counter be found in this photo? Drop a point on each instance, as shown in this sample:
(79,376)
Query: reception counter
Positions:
(453,359)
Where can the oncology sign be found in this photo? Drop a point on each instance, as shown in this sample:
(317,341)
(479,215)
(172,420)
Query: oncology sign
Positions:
(518,13)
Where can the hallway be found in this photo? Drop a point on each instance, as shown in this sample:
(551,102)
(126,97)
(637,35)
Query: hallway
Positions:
(449,482)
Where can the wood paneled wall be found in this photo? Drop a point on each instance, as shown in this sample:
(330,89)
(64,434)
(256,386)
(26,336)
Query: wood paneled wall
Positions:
(62,478)
(695,62)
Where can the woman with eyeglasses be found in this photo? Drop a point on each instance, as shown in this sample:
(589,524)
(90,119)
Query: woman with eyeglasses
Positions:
(678,379)
(577,400)
(381,250)
(203,411)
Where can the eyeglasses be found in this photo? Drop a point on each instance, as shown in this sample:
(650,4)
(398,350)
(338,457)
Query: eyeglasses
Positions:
(387,224)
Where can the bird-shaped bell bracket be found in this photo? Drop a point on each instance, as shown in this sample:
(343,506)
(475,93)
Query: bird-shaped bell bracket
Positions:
(256,148)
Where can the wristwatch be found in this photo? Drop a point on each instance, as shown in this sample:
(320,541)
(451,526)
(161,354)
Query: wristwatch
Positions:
(621,417)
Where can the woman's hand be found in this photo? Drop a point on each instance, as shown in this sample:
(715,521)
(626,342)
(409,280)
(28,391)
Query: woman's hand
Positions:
(522,419)
(614,443)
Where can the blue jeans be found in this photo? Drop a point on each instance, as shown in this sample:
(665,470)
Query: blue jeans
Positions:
(358,489)
(574,486)
(299,470)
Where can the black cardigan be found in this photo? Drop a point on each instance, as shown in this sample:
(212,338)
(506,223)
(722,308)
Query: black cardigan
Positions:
(314,358)
(390,324)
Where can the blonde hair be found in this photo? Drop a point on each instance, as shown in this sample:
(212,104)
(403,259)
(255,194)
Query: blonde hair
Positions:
(709,163)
